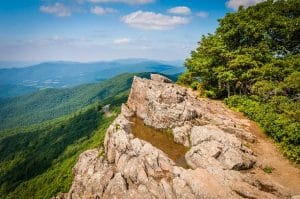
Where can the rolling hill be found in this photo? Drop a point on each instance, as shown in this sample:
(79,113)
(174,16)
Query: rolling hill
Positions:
(36,161)
(47,130)
(42,134)
(67,74)
(52,103)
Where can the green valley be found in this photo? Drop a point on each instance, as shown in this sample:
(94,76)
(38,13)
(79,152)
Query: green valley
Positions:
(52,103)
(43,133)
(62,74)
(52,112)
(37,161)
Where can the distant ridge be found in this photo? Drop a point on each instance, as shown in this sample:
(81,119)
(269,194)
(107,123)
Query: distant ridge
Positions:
(52,103)
(62,74)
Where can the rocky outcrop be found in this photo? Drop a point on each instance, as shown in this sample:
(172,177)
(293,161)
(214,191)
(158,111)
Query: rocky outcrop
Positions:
(212,146)
(221,166)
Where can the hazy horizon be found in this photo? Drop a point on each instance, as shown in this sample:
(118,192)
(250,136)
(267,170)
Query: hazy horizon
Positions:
(22,64)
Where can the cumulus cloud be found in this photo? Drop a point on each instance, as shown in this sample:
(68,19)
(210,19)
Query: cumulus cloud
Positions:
(122,41)
(122,1)
(153,21)
(235,4)
(97,10)
(182,10)
(57,9)
(202,14)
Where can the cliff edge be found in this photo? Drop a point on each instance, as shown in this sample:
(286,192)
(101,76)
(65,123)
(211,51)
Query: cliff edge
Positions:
(220,160)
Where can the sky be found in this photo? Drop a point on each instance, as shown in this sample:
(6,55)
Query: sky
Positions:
(93,30)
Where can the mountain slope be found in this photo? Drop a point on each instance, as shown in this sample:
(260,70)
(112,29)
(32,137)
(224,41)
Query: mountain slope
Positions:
(36,161)
(51,103)
(11,90)
(67,74)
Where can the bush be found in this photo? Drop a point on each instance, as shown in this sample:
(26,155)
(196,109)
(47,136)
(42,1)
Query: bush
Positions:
(186,78)
(281,127)
(210,94)
(268,169)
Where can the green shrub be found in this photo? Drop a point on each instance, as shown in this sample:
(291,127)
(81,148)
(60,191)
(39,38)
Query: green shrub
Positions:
(268,169)
(281,127)
(210,94)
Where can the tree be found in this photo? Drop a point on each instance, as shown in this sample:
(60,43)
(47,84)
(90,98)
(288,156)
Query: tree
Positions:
(253,44)
(255,52)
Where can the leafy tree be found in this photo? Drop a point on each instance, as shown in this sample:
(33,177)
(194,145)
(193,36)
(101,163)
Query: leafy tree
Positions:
(255,52)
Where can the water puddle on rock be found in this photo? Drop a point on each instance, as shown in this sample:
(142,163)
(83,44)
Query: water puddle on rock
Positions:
(162,140)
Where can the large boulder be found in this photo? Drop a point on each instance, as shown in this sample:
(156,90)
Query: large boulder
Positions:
(211,145)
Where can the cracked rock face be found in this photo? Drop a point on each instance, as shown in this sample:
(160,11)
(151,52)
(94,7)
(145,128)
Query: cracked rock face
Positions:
(211,146)
(219,163)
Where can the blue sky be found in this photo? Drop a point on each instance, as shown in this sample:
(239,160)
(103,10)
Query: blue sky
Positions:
(91,30)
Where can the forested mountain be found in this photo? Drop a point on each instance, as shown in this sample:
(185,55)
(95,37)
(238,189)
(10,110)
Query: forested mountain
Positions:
(13,90)
(67,74)
(37,161)
(52,103)
(252,62)
(46,131)
(255,56)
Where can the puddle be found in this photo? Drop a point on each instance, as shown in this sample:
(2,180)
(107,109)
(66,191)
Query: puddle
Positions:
(160,139)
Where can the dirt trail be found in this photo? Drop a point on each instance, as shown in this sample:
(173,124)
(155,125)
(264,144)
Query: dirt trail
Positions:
(285,173)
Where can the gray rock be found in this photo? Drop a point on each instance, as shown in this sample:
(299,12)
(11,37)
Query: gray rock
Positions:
(116,187)
(167,189)
(92,175)
(181,134)
(160,78)
(212,145)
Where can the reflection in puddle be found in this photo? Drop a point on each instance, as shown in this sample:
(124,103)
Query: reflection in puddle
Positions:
(162,140)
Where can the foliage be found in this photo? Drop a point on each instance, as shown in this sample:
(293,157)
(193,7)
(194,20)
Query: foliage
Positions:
(10,90)
(52,103)
(257,43)
(68,74)
(277,117)
(255,53)
(268,169)
(37,162)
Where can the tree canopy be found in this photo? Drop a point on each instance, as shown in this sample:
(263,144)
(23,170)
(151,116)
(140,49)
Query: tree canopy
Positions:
(255,44)
(255,54)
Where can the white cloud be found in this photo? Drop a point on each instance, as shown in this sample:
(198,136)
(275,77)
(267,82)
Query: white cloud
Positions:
(235,4)
(57,9)
(122,1)
(97,10)
(153,21)
(57,38)
(121,41)
(182,10)
(202,14)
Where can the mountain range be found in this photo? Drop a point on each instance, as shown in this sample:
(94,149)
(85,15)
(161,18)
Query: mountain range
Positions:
(43,133)
(51,112)
(63,74)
